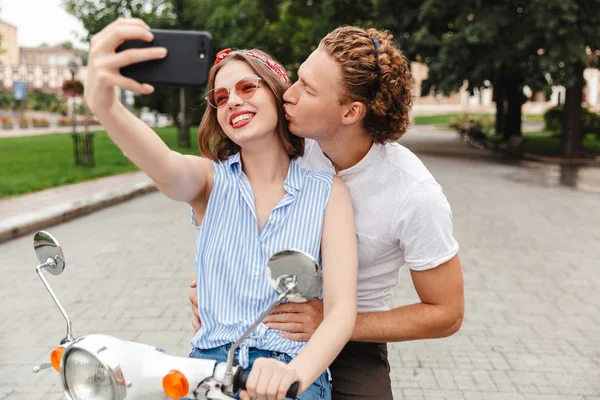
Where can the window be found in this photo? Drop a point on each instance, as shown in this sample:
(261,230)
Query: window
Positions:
(63,60)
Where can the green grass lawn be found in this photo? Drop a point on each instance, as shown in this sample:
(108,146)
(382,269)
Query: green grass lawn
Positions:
(33,163)
(444,119)
(545,143)
(541,143)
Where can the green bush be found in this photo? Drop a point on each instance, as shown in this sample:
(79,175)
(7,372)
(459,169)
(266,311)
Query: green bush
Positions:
(554,117)
(36,101)
(591,122)
(82,109)
(6,101)
(482,124)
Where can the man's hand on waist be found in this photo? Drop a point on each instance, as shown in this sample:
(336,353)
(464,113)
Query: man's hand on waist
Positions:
(297,321)
(194,300)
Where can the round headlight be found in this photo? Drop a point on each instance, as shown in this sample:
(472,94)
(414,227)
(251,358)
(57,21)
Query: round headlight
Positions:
(86,377)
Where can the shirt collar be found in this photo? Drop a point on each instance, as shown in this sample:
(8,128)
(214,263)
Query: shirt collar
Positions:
(294,179)
(235,164)
(367,160)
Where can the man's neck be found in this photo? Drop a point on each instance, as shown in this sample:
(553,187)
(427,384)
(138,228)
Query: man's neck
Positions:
(346,149)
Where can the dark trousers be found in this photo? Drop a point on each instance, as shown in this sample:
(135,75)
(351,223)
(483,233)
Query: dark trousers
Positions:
(361,371)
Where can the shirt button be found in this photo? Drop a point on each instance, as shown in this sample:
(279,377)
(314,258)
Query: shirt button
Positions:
(257,273)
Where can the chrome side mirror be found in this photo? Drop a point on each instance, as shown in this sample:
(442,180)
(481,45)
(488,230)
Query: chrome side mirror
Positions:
(295,266)
(49,252)
(52,259)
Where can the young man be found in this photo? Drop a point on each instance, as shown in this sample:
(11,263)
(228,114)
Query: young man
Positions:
(352,98)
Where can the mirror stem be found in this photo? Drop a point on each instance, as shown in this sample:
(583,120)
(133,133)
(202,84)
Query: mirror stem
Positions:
(52,263)
(40,367)
(228,379)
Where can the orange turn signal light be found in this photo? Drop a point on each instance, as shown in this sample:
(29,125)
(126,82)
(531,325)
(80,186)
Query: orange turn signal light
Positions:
(55,357)
(175,384)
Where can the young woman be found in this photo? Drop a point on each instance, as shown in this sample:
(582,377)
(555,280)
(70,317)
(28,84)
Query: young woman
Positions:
(249,199)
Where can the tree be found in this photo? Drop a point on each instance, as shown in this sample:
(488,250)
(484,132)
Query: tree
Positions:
(481,43)
(571,33)
(346,12)
(506,43)
(85,55)
(67,44)
(294,33)
(289,30)
(96,14)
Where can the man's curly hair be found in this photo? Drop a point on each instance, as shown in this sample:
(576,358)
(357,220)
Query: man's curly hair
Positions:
(379,78)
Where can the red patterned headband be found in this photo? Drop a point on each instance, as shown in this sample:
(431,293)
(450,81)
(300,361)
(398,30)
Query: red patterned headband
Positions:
(273,66)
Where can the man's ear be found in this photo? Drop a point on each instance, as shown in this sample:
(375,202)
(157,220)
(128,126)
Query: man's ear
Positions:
(354,112)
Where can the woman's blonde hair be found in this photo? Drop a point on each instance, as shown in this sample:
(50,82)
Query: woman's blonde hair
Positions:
(214,143)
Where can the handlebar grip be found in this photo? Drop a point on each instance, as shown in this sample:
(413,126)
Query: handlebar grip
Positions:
(292,392)
(241,377)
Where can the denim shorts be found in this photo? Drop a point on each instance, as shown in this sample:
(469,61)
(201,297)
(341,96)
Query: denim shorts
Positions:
(319,390)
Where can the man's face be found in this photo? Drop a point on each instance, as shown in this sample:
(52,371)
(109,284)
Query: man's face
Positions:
(312,103)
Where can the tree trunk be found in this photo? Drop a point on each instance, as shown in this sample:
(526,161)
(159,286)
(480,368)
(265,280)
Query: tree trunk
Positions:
(499,100)
(514,97)
(184,132)
(571,144)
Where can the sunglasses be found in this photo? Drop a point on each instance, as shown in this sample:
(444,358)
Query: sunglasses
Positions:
(244,88)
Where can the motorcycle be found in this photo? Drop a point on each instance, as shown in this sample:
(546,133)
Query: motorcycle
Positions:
(99,366)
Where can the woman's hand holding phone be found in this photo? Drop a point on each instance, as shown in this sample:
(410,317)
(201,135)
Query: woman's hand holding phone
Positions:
(104,62)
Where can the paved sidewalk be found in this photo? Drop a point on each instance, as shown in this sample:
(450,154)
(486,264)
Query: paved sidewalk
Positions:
(24,214)
(18,132)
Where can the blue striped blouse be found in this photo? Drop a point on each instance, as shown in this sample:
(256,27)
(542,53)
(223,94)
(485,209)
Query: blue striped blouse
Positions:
(232,254)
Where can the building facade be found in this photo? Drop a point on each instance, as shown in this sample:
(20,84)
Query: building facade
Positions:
(47,78)
(43,68)
(50,56)
(10,48)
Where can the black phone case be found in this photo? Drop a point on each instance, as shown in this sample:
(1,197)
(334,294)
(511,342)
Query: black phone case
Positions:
(188,60)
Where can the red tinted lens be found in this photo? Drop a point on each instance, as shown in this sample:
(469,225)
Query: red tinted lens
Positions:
(246,87)
(218,97)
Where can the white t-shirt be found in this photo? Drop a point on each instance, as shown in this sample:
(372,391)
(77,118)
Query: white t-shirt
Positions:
(402,217)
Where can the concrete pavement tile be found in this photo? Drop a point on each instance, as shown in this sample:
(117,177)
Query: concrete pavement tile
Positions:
(25,396)
(550,397)
(490,395)
(527,388)
(432,394)
(5,391)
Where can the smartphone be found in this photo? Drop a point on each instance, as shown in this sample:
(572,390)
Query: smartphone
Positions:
(188,61)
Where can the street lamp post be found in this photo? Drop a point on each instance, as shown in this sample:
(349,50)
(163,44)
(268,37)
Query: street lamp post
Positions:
(84,151)
(73,68)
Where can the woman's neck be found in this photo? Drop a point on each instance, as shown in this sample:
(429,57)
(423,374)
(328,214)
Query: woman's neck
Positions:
(267,165)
